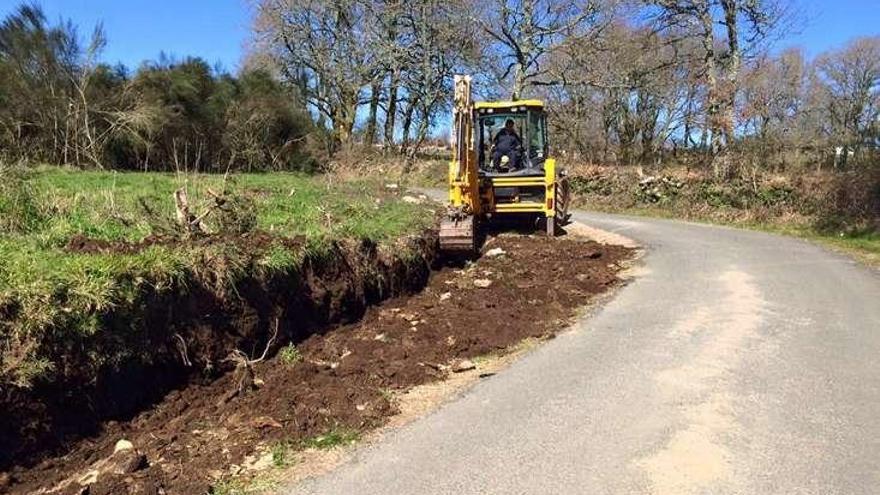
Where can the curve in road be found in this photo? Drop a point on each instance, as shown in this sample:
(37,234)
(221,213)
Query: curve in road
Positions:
(737,362)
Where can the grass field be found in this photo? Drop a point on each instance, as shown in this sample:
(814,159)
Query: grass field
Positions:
(47,290)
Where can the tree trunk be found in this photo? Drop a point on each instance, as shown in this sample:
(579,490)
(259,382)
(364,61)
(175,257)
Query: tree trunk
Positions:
(407,125)
(527,47)
(375,91)
(519,82)
(711,134)
(391,111)
(344,115)
(731,70)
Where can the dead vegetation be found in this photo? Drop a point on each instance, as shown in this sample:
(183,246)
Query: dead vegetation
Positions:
(245,380)
(824,201)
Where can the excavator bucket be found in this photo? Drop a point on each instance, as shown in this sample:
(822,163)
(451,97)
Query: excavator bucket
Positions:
(457,236)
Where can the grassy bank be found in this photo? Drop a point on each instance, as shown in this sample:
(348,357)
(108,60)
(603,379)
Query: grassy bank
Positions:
(54,292)
(834,210)
(863,246)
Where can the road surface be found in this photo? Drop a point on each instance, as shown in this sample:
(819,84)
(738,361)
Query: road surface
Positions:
(736,363)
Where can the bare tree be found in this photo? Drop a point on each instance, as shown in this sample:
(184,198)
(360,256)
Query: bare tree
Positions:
(524,32)
(439,41)
(848,81)
(322,44)
(388,44)
(632,82)
(746,24)
(772,98)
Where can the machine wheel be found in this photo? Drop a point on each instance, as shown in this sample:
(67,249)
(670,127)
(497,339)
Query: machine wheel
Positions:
(563,200)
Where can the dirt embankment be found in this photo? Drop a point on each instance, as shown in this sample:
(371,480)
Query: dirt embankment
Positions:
(341,379)
(167,339)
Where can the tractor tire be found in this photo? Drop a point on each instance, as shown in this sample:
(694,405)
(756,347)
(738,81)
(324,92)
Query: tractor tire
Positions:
(563,201)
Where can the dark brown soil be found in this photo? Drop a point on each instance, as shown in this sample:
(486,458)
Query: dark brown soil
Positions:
(196,435)
(168,338)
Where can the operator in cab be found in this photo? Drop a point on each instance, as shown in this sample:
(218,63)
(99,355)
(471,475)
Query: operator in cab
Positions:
(507,143)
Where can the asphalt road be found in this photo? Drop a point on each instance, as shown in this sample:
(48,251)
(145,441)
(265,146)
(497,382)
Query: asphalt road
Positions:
(736,363)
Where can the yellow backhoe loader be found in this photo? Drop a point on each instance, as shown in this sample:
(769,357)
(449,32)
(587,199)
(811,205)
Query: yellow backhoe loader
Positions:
(501,166)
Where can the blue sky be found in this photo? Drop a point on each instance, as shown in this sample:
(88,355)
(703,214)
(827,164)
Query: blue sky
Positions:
(217,29)
(831,23)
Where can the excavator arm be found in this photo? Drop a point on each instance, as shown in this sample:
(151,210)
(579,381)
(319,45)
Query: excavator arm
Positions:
(457,229)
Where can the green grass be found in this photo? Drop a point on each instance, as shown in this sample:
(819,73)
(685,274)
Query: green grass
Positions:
(52,298)
(244,487)
(98,204)
(336,437)
(282,454)
(290,355)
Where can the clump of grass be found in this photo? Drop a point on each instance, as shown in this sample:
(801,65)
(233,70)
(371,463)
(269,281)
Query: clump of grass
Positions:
(279,259)
(282,454)
(386,394)
(290,355)
(235,486)
(335,437)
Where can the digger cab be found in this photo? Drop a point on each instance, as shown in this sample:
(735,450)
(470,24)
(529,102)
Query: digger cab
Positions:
(514,168)
(511,138)
(501,167)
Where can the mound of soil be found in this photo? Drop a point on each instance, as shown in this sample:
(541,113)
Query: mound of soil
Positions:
(167,338)
(206,432)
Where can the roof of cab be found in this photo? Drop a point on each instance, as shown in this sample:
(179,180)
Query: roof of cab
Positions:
(508,104)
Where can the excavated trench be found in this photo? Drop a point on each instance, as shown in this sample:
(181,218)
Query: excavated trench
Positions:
(364,324)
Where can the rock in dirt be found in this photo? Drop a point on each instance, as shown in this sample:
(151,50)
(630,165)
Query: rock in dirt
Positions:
(411,200)
(124,460)
(391,186)
(495,252)
(445,296)
(594,255)
(89,478)
(128,461)
(145,488)
(483,283)
(463,365)
(122,445)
